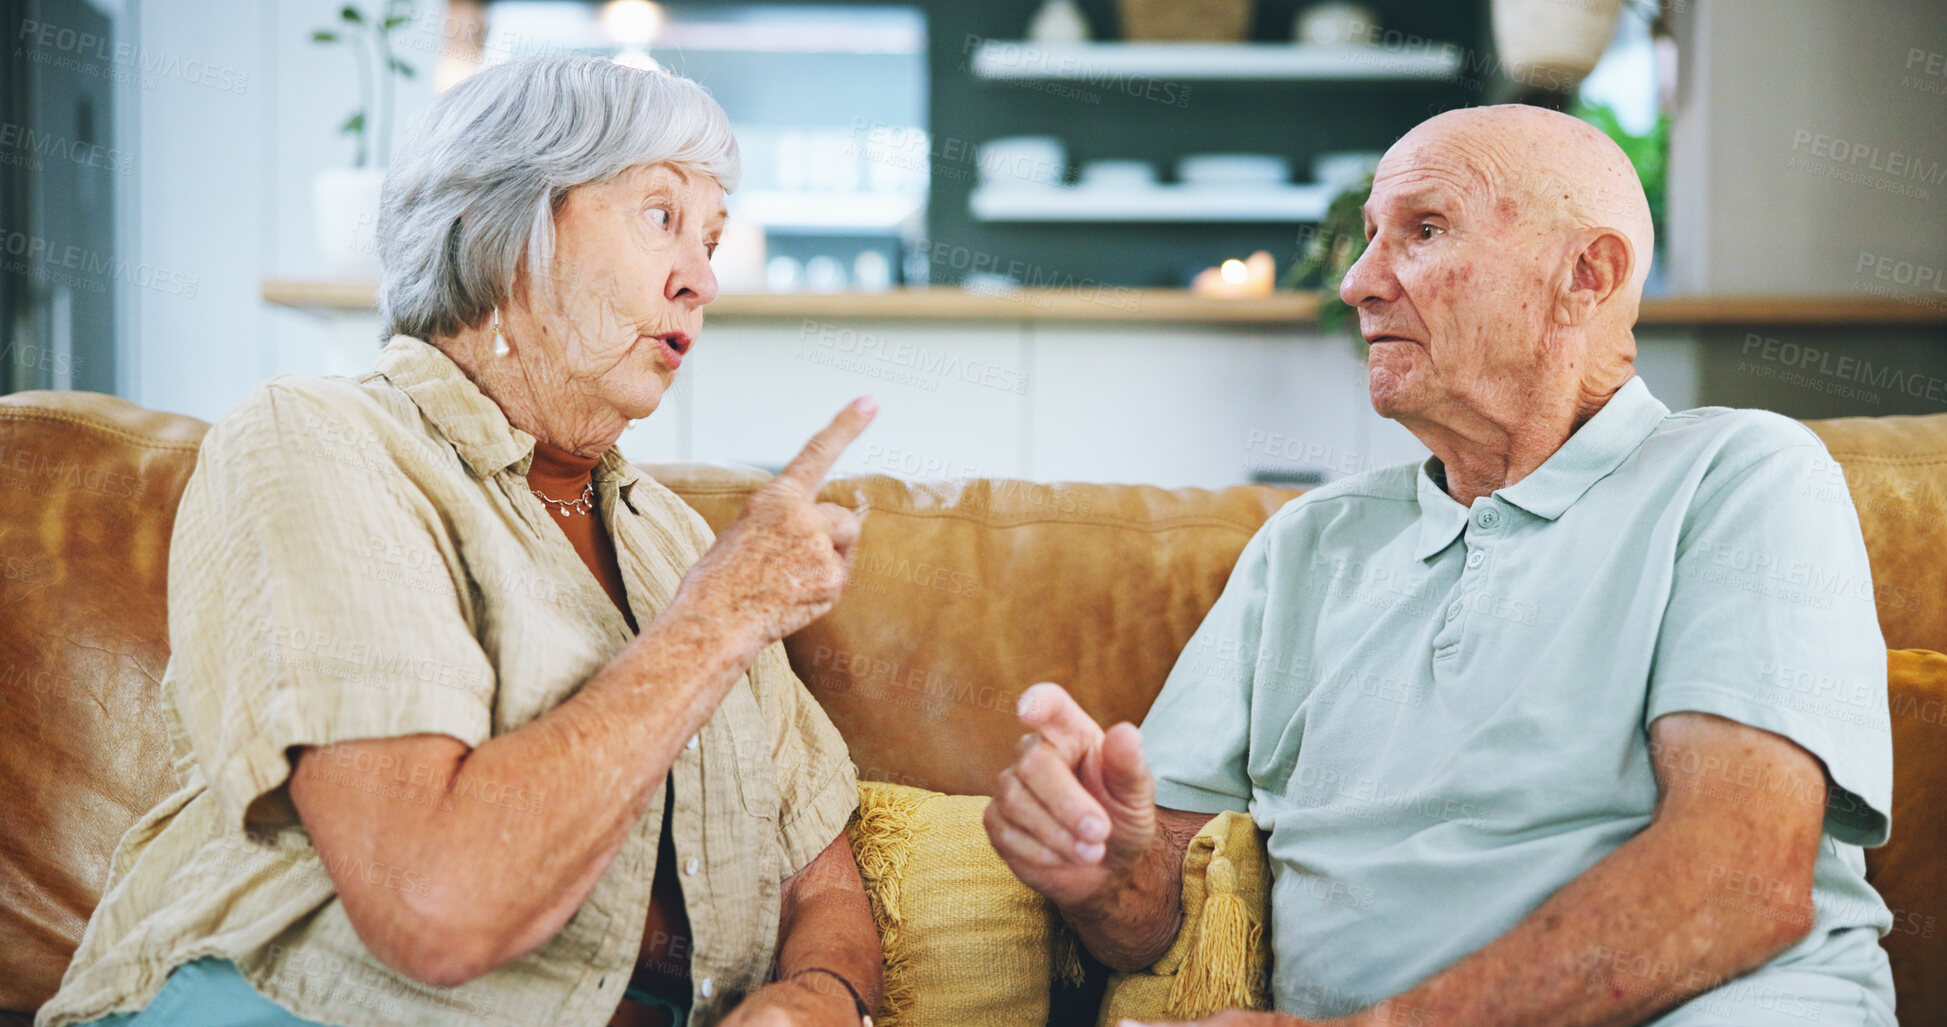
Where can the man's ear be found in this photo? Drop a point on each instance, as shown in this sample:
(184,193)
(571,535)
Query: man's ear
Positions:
(1599,272)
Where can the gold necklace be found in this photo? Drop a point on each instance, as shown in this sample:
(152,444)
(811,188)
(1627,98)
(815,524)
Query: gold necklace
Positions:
(569,507)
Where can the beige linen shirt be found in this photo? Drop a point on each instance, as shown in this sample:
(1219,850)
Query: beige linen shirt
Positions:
(361,559)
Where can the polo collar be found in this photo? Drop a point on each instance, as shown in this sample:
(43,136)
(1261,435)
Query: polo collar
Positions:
(1441,516)
(475,425)
(1594,451)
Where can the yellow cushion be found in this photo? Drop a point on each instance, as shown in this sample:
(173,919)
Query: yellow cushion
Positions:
(1222,953)
(966,943)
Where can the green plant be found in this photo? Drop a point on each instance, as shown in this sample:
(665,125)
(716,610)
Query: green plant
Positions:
(370,42)
(1334,245)
(1649,153)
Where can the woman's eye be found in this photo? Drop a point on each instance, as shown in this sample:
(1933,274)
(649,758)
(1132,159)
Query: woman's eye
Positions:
(659,216)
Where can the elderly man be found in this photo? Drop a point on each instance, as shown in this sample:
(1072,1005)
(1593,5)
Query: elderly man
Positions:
(1521,720)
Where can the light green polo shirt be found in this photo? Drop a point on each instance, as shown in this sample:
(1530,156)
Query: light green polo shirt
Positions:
(1441,713)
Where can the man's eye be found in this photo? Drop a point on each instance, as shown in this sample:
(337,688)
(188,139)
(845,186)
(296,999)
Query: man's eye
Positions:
(1427,228)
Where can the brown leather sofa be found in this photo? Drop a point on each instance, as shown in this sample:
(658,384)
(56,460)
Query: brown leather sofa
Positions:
(963,594)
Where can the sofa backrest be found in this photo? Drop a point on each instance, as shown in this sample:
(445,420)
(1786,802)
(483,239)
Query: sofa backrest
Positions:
(963,594)
(88,492)
(1896,469)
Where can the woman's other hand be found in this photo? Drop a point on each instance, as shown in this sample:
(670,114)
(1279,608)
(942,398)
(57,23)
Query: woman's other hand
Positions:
(783,562)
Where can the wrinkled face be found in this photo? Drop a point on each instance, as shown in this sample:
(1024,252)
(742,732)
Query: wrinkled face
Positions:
(1453,290)
(629,279)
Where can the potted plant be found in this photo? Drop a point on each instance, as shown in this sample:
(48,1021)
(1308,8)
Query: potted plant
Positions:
(345,201)
(1328,250)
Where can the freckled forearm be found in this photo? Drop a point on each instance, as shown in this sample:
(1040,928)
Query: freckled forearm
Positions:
(1638,933)
(588,770)
(827,923)
(1131,929)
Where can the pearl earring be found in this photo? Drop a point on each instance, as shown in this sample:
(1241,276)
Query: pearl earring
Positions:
(500,342)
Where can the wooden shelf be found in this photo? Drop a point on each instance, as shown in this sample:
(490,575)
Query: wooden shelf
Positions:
(1258,204)
(1110,304)
(1113,62)
(816,212)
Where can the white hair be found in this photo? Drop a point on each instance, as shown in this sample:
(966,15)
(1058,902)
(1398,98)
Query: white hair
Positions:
(473,191)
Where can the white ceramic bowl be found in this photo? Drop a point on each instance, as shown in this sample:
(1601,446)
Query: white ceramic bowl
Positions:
(1233,169)
(1022,162)
(1117,174)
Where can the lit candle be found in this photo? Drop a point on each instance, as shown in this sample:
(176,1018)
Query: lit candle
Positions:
(1255,275)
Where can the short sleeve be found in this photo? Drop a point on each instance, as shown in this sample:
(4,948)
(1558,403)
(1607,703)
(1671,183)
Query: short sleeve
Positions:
(1196,736)
(817,786)
(1772,622)
(311,599)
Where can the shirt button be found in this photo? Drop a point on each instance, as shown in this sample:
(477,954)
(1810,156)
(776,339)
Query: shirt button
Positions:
(690,867)
(1476,558)
(705,988)
(1453,610)
(1487,518)
(691,744)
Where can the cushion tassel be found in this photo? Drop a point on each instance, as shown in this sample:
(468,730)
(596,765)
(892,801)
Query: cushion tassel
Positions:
(1221,969)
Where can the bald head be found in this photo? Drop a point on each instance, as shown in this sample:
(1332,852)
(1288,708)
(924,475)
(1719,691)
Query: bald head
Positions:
(1556,171)
(1500,285)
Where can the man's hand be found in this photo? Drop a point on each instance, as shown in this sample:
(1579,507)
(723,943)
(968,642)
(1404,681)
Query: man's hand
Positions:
(803,1001)
(1077,809)
(782,563)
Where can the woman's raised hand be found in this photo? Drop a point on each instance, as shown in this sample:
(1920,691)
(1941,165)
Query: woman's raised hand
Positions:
(782,563)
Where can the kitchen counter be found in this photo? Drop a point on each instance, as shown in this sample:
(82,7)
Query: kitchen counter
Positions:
(1114,304)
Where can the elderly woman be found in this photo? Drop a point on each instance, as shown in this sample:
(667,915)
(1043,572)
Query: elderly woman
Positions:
(473,722)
